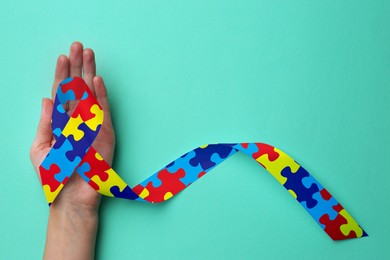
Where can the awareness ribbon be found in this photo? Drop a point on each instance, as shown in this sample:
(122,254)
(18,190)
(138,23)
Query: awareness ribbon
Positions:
(73,152)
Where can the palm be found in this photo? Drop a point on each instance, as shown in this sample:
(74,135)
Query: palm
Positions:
(76,191)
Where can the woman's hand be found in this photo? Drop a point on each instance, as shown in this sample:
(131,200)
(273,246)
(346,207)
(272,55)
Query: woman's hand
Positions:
(73,216)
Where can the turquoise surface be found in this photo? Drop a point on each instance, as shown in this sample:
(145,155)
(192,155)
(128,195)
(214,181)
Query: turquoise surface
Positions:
(309,77)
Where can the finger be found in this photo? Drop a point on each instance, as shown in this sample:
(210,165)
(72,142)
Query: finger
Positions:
(44,134)
(89,68)
(61,73)
(75,69)
(102,98)
(76,59)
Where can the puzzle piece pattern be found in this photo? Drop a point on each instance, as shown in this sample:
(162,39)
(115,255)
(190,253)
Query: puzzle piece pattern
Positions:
(73,152)
(182,172)
(73,136)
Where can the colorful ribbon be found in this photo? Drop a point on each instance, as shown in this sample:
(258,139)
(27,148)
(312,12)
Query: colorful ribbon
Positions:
(73,152)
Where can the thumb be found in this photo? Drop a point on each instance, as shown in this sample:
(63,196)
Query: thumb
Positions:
(44,134)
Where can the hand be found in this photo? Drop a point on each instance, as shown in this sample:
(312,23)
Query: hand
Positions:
(76,192)
(73,218)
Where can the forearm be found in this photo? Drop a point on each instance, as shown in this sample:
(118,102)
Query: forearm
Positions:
(71,233)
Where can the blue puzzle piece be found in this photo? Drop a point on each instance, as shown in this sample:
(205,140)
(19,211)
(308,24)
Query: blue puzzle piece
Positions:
(127,193)
(57,132)
(88,132)
(251,149)
(65,81)
(85,95)
(203,155)
(217,159)
(67,169)
(82,169)
(309,181)
(183,156)
(81,147)
(65,97)
(191,172)
(294,183)
(156,182)
(61,118)
(323,207)
(57,156)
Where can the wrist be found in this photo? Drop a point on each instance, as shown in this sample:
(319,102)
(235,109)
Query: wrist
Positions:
(79,213)
(71,232)
(71,208)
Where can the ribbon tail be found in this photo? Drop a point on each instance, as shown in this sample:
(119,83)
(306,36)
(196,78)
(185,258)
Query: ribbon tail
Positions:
(312,196)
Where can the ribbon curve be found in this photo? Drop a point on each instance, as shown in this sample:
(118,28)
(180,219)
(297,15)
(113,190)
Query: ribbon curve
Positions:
(73,152)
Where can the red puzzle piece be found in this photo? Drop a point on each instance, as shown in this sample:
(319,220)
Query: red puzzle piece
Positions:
(170,182)
(97,167)
(332,227)
(77,85)
(265,149)
(47,177)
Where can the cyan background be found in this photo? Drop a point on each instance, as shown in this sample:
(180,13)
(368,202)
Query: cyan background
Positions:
(309,77)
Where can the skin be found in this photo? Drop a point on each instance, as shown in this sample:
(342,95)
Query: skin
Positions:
(73,216)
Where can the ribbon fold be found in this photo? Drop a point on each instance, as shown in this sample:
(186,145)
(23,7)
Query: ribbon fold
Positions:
(73,152)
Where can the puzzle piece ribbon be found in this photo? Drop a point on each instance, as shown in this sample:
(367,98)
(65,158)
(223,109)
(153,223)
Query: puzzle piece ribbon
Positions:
(73,152)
